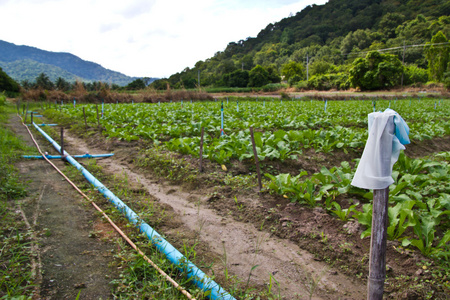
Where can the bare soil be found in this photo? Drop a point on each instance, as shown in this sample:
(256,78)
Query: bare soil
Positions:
(301,248)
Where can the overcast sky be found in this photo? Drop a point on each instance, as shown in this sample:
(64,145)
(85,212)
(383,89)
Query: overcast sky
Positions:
(143,38)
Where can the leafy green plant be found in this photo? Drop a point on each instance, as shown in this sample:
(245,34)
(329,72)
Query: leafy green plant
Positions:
(365,218)
(344,214)
(401,216)
(425,230)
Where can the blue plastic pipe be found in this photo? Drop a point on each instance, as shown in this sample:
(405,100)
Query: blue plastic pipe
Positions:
(75,156)
(42,125)
(199,278)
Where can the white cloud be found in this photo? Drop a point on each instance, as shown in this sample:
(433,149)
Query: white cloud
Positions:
(153,38)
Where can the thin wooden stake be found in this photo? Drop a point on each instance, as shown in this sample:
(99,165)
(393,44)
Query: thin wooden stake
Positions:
(98,119)
(31,118)
(62,143)
(26,113)
(85,123)
(256,159)
(201,150)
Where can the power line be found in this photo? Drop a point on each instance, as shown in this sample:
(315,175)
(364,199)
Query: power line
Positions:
(397,48)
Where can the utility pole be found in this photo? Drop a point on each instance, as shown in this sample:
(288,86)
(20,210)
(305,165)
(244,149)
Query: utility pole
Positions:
(199,79)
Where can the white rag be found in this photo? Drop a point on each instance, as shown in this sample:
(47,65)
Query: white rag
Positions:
(382,150)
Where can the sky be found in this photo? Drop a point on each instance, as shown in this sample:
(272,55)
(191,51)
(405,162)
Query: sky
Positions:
(141,38)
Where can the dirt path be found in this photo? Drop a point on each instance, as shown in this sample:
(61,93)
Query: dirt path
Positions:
(70,260)
(294,269)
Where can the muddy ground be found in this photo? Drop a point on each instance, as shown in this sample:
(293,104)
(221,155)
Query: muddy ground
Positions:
(299,247)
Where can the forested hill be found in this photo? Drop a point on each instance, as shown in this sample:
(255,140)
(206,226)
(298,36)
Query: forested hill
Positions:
(26,63)
(327,37)
(321,23)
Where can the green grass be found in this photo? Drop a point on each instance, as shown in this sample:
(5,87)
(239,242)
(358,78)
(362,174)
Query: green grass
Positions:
(15,239)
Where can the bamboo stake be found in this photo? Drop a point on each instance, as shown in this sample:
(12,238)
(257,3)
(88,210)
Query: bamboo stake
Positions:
(85,123)
(26,113)
(201,150)
(62,143)
(98,119)
(256,159)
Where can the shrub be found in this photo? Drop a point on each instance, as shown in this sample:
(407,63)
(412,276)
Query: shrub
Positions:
(329,81)
(414,74)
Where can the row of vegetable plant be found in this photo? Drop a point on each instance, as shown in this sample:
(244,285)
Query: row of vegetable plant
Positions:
(284,128)
(419,200)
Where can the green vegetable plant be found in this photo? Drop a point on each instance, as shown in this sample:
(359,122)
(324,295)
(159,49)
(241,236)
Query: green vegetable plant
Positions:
(401,216)
(343,214)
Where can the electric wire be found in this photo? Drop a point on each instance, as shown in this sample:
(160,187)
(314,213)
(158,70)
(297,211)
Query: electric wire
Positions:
(132,244)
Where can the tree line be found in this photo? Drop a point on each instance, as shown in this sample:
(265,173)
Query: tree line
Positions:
(393,52)
(43,81)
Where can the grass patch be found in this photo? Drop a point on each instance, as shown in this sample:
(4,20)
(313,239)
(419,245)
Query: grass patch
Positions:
(15,239)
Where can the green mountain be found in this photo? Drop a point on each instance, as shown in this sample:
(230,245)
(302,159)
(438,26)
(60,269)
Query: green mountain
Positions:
(324,40)
(26,63)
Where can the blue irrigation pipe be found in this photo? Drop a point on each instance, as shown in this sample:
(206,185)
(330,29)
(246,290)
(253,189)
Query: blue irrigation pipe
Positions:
(43,124)
(198,277)
(87,155)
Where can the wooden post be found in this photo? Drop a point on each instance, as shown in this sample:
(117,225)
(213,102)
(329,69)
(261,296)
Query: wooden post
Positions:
(201,149)
(377,264)
(31,118)
(62,143)
(255,153)
(26,113)
(98,119)
(85,123)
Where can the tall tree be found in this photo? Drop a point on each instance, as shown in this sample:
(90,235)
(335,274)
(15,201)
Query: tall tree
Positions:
(44,82)
(258,77)
(137,84)
(376,71)
(7,83)
(62,84)
(292,69)
(437,53)
(237,78)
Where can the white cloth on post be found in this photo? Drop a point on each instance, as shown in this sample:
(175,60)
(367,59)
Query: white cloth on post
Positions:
(388,132)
